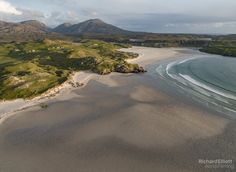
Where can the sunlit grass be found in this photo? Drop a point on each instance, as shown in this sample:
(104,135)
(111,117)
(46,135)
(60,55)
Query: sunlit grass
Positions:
(29,69)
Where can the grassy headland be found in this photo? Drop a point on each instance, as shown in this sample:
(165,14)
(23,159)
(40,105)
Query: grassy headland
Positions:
(222,45)
(225,48)
(29,69)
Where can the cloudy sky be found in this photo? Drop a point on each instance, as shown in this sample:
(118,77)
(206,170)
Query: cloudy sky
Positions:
(164,16)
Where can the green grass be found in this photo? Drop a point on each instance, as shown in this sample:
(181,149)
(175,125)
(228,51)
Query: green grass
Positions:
(29,69)
(225,48)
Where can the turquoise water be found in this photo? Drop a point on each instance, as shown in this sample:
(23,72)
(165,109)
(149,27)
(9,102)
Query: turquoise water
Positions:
(208,79)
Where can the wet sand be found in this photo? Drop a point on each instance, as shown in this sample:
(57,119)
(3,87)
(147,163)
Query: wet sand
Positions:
(60,92)
(119,123)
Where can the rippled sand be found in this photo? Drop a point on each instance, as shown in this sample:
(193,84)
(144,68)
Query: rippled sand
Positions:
(118,123)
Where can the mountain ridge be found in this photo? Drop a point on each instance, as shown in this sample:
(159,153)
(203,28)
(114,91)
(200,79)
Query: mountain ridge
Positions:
(32,30)
(29,30)
(35,30)
(24,26)
(92,26)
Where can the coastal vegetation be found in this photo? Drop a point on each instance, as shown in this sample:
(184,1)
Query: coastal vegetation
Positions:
(29,69)
(35,58)
(221,45)
(225,48)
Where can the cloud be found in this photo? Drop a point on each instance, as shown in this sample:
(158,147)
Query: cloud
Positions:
(56,18)
(139,15)
(90,12)
(172,23)
(25,15)
(6,7)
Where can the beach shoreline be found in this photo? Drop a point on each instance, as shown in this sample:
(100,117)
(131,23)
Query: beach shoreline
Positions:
(125,122)
(147,56)
(11,107)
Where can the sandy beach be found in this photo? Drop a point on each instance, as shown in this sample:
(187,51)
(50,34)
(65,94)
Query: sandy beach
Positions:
(9,108)
(118,123)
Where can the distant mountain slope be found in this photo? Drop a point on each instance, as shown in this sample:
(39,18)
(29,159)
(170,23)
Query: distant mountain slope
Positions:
(63,28)
(24,31)
(23,27)
(97,29)
(227,37)
(93,26)
(35,26)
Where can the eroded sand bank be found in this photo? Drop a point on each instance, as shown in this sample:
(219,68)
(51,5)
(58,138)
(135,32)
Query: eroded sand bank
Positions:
(118,123)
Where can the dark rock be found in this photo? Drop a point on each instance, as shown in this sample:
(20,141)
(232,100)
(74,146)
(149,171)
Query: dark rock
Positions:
(140,70)
(79,84)
(123,69)
(127,69)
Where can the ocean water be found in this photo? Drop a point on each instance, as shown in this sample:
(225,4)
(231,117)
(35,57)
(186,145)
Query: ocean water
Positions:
(208,79)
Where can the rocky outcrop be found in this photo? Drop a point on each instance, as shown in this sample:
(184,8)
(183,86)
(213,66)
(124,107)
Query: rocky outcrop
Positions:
(129,68)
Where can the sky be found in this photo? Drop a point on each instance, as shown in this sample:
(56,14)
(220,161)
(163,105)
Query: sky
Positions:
(160,16)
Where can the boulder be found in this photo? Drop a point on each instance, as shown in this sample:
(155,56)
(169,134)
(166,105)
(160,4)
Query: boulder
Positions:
(122,69)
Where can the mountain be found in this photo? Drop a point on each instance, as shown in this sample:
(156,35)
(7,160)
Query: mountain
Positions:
(93,26)
(24,31)
(31,26)
(34,30)
(91,29)
(34,26)
(63,28)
